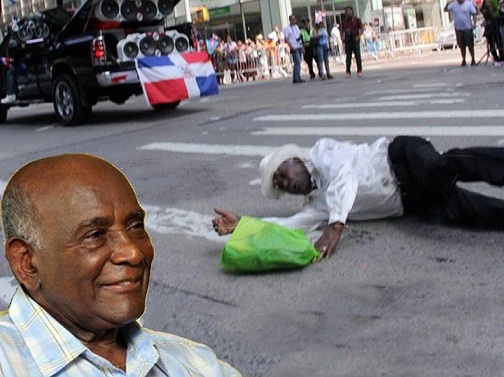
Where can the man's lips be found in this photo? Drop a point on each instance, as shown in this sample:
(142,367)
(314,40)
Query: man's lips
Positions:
(124,284)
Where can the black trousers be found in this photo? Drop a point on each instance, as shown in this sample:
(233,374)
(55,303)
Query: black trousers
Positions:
(428,180)
(353,46)
(308,57)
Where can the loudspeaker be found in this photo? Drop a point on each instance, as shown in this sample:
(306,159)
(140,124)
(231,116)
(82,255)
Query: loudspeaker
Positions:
(133,10)
(139,45)
(147,45)
(149,10)
(107,10)
(129,10)
(182,43)
(131,50)
(166,44)
(165,6)
(25,33)
(127,48)
(41,30)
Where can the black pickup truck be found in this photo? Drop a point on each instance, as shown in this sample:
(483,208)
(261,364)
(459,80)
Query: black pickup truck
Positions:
(75,59)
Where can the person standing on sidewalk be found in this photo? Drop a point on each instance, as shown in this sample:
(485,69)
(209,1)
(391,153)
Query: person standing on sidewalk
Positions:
(464,21)
(352,30)
(322,50)
(337,43)
(292,36)
(491,33)
(308,47)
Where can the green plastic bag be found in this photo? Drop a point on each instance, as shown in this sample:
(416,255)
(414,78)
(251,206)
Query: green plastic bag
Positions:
(259,246)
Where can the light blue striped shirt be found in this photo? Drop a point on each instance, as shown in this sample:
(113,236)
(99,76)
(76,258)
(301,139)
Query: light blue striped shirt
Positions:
(33,344)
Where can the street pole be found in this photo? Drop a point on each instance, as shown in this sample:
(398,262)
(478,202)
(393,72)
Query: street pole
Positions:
(187,8)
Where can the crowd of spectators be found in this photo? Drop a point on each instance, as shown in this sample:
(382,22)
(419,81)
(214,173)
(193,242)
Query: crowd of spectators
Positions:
(239,61)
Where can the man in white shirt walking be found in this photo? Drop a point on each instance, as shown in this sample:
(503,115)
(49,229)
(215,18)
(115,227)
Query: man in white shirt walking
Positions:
(345,181)
(292,36)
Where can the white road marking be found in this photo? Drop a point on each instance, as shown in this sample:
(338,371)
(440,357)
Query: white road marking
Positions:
(255,182)
(383,115)
(247,165)
(384,131)
(8,285)
(230,150)
(396,91)
(179,221)
(432,85)
(383,104)
(422,96)
(46,128)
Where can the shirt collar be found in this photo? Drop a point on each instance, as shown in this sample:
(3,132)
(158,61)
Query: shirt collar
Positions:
(314,176)
(52,346)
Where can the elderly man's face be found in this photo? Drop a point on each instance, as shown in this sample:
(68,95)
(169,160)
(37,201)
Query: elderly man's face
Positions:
(293,177)
(95,265)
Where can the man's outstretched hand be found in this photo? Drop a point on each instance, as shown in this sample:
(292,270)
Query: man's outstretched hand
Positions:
(226,222)
(329,239)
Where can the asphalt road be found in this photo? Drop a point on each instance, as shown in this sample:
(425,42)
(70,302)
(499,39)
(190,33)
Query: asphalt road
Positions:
(399,298)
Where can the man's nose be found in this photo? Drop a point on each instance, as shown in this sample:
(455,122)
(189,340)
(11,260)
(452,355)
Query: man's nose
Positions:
(125,249)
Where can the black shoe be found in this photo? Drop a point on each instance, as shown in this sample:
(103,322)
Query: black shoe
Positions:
(329,77)
(312,77)
(473,63)
(463,64)
(299,81)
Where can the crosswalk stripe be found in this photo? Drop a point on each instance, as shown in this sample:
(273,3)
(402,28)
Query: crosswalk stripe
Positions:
(230,150)
(382,115)
(398,91)
(383,131)
(422,96)
(432,85)
(383,104)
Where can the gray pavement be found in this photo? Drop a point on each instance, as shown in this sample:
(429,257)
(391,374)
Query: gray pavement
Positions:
(399,298)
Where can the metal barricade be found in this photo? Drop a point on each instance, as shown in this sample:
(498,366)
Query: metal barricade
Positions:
(253,63)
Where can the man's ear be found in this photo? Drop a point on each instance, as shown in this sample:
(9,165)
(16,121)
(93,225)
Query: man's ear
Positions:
(20,255)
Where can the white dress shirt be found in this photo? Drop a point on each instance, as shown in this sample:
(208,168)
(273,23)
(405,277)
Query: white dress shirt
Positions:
(293,36)
(354,182)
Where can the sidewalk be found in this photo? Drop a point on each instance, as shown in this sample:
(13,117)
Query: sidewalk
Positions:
(449,58)
(445,57)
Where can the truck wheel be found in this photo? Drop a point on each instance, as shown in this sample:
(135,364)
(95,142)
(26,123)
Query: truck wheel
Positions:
(67,101)
(3,113)
(165,106)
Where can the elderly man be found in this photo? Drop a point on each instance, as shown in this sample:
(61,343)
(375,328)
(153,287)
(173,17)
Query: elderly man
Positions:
(76,242)
(345,181)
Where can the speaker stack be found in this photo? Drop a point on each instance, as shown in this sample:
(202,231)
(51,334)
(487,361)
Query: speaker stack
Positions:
(139,45)
(133,10)
(30,29)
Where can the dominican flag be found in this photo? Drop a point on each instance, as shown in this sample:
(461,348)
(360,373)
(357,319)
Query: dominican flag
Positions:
(167,79)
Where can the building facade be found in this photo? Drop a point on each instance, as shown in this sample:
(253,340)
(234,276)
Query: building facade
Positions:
(244,19)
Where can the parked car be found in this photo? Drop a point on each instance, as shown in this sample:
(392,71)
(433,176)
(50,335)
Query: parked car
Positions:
(76,59)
